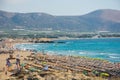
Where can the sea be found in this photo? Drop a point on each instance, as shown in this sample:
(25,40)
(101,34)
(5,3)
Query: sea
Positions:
(106,48)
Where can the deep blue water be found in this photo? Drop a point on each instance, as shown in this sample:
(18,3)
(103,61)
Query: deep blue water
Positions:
(108,49)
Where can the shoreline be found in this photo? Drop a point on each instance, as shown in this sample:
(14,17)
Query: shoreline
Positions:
(64,55)
(69,54)
(61,66)
(86,38)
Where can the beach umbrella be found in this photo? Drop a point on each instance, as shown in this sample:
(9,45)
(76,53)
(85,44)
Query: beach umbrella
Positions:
(95,72)
(32,69)
(43,63)
(85,72)
(23,64)
(104,75)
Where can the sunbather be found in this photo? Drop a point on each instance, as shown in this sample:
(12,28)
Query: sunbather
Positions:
(45,68)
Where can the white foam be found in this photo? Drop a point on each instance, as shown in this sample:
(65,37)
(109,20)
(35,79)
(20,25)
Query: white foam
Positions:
(113,54)
(82,52)
(35,45)
(115,57)
(102,53)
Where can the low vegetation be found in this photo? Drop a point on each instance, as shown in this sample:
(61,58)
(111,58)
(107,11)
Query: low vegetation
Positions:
(52,34)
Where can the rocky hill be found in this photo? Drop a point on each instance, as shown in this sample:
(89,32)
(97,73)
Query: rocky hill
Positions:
(99,20)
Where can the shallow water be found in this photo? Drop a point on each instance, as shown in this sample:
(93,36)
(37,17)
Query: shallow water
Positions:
(108,49)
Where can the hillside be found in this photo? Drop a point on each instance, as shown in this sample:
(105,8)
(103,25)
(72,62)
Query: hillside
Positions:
(105,20)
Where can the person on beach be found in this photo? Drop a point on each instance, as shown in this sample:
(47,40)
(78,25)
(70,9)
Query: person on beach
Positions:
(18,62)
(8,65)
(45,68)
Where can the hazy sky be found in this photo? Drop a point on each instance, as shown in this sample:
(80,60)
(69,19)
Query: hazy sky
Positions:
(58,7)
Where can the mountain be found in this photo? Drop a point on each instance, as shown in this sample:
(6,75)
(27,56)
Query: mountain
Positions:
(99,20)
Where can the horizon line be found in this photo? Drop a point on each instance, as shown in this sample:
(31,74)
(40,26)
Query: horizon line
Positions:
(54,14)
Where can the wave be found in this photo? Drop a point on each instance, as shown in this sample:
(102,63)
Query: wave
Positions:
(95,48)
(83,52)
(113,54)
(114,57)
(102,53)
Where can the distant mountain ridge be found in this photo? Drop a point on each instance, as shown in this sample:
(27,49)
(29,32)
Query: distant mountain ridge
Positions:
(99,20)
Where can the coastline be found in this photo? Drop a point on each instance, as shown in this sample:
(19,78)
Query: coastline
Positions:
(67,65)
(67,43)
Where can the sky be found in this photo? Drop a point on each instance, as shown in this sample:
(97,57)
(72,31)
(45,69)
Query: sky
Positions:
(58,7)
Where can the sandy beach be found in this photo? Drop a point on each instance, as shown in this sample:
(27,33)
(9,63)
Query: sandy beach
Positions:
(3,58)
(58,67)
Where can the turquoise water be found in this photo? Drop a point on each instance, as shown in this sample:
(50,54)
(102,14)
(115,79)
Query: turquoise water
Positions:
(108,49)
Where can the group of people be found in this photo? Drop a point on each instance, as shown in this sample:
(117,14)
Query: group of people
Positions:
(9,64)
